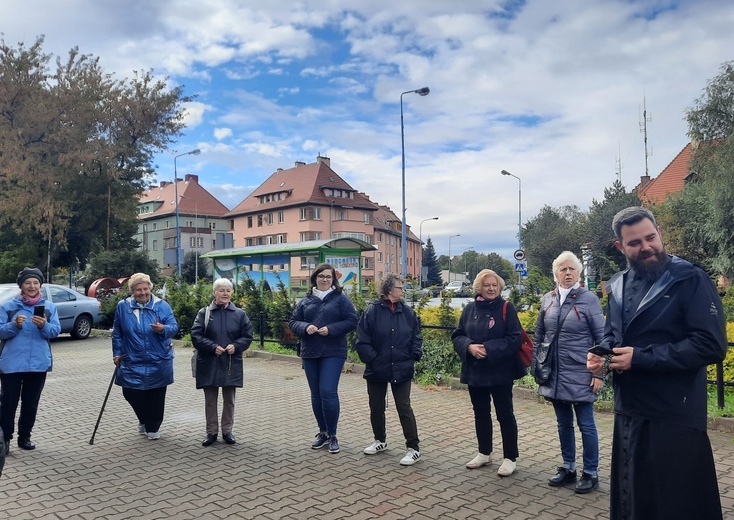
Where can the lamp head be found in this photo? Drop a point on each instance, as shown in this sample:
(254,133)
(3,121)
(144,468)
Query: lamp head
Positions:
(434,218)
(195,152)
(505,172)
(423,91)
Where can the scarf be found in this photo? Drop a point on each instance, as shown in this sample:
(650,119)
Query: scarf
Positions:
(562,292)
(321,294)
(30,302)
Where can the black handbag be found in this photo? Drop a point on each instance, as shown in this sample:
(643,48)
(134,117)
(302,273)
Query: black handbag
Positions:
(543,363)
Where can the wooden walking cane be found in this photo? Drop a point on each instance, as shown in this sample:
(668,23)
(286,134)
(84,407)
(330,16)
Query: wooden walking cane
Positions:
(104,403)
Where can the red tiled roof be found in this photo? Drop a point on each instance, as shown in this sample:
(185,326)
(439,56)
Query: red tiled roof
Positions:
(303,184)
(670,180)
(193,198)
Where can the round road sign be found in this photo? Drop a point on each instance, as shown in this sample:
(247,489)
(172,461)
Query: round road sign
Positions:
(519,255)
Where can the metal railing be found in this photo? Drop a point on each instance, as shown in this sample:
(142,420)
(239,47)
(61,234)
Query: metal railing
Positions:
(718,382)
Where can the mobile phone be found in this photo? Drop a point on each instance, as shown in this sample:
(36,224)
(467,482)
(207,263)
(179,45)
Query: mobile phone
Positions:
(601,350)
(39,310)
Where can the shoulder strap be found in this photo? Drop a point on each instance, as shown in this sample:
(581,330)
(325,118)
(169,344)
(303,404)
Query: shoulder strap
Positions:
(504,310)
(207,315)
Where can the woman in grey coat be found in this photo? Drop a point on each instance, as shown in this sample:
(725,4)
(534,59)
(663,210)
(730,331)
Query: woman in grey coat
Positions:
(221,333)
(572,387)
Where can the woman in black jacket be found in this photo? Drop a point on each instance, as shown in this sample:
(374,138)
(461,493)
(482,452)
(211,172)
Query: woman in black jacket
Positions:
(221,333)
(389,342)
(488,341)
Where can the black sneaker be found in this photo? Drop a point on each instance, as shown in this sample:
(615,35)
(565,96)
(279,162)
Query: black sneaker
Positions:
(321,440)
(563,477)
(587,484)
(333,445)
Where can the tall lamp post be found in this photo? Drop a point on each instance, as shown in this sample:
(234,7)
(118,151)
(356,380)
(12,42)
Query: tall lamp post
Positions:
(519,217)
(178,225)
(420,239)
(404,243)
(452,236)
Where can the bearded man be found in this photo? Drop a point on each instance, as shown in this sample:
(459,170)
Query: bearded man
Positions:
(665,324)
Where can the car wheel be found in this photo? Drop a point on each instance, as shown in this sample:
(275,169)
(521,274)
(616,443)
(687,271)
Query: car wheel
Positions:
(82,327)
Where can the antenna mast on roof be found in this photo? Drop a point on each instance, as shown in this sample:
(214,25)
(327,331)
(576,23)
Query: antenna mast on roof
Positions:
(643,129)
(618,164)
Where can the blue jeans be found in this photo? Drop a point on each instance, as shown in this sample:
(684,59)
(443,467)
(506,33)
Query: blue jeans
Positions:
(323,379)
(589,435)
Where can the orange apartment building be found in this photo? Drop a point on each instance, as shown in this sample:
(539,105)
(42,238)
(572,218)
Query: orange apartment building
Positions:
(312,202)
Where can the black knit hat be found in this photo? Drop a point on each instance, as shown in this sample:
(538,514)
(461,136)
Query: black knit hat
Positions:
(30,272)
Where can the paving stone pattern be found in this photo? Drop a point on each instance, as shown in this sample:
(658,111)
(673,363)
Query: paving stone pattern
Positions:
(272,473)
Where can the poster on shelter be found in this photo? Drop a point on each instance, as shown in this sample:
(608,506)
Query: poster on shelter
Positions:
(346,267)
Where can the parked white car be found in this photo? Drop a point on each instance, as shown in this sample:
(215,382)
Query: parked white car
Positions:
(459,289)
(77,313)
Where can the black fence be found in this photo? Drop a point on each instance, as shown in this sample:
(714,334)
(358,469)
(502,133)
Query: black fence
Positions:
(718,382)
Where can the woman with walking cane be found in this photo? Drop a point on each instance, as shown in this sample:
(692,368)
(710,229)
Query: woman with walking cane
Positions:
(142,349)
(27,323)
(221,333)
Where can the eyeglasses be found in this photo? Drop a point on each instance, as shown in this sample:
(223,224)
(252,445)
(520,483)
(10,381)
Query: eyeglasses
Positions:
(324,277)
(399,287)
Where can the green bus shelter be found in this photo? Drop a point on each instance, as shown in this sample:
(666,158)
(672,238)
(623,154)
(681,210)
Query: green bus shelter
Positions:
(273,263)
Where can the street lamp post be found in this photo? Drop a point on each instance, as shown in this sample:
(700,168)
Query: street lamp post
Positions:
(420,239)
(178,225)
(452,236)
(404,242)
(519,217)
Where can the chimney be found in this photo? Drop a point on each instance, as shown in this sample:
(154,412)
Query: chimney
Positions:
(279,169)
(644,181)
(164,184)
(299,163)
(323,159)
(192,177)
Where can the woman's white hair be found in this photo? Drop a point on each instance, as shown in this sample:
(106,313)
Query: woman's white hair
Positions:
(219,282)
(565,257)
(137,279)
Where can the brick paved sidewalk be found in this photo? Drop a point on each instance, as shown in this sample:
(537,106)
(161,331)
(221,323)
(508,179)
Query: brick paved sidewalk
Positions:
(271,472)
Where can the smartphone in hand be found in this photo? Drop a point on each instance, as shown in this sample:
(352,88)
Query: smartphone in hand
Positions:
(39,310)
(601,350)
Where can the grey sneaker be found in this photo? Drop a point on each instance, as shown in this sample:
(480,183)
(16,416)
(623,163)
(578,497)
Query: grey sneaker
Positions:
(154,436)
(375,447)
(333,444)
(321,440)
(141,429)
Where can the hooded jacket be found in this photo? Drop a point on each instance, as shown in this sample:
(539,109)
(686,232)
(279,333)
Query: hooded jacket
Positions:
(677,330)
(582,327)
(226,325)
(482,322)
(389,342)
(26,349)
(147,356)
(336,311)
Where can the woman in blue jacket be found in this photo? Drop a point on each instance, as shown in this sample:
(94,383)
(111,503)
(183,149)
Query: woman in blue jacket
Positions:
(572,315)
(389,342)
(27,323)
(322,320)
(143,352)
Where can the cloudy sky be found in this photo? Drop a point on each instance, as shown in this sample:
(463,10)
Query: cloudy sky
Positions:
(551,91)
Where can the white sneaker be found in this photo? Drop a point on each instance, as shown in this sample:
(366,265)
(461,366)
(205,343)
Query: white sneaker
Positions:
(152,436)
(507,468)
(479,461)
(375,447)
(411,457)
(141,429)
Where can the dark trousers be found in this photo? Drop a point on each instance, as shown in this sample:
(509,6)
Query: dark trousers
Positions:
(148,405)
(401,393)
(481,400)
(25,387)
